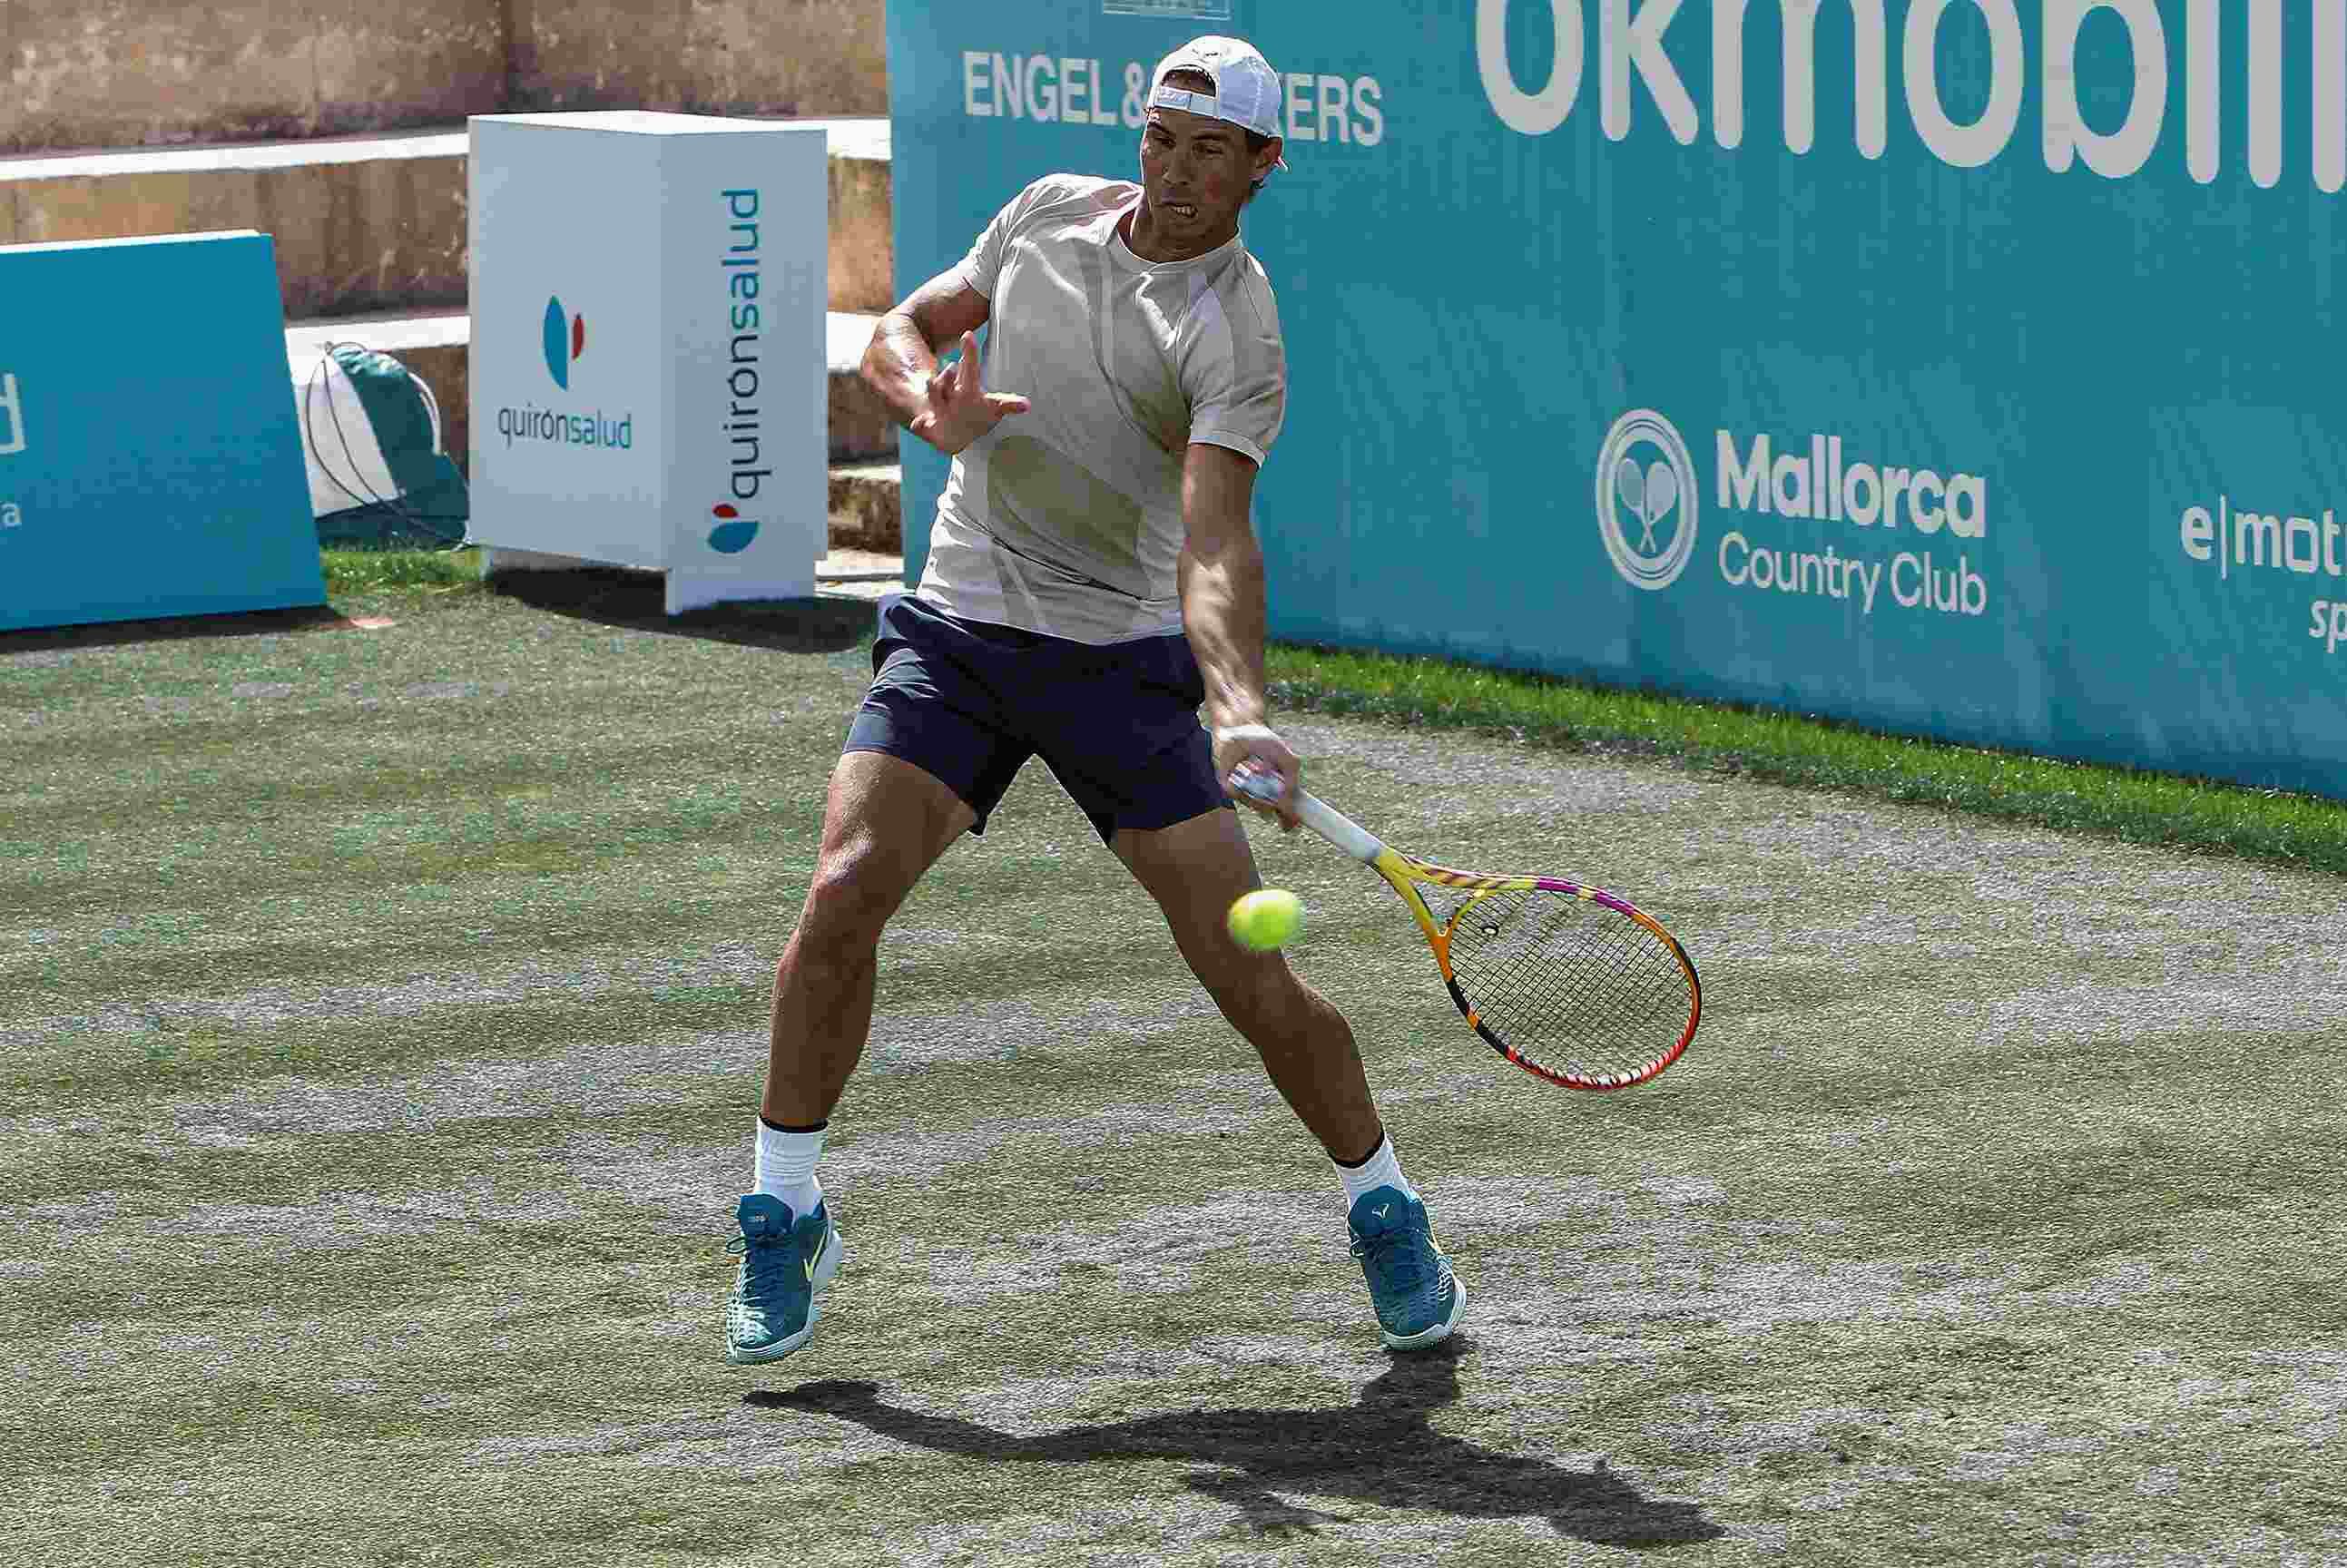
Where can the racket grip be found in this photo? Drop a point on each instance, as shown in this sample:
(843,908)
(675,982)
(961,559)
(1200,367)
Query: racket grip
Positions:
(1263,787)
(1322,818)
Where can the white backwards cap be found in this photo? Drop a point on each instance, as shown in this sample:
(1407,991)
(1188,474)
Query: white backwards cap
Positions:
(1248,91)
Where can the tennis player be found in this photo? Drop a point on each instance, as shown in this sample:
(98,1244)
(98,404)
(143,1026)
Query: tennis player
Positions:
(1093,579)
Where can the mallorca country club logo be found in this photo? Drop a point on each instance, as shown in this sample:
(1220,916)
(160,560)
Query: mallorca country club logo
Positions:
(1647,500)
(566,340)
(1825,517)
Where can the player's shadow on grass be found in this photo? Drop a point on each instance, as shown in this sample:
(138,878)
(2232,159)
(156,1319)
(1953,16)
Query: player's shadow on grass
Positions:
(1382,1451)
(611,596)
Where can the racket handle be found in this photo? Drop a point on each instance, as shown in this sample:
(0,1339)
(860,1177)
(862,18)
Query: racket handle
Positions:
(1316,814)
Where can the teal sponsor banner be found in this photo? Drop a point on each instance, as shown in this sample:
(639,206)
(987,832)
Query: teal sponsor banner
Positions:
(1953,367)
(150,461)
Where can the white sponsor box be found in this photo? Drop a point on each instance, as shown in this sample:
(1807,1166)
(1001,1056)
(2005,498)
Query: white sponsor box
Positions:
(648,354)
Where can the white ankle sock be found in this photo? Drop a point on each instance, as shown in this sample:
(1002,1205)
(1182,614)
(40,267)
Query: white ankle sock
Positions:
(785,1166)
(1381,1168)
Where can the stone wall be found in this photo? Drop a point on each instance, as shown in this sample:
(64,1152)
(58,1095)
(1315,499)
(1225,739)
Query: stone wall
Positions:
(145,73)
(809,57)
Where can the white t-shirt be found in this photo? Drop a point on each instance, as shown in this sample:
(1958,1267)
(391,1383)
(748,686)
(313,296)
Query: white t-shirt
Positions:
(1067,520)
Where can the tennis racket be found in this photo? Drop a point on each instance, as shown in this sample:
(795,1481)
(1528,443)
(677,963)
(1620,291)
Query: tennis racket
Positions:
(1570,983)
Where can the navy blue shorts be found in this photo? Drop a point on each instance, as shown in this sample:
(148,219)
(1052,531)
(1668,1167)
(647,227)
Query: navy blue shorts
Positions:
(968,703)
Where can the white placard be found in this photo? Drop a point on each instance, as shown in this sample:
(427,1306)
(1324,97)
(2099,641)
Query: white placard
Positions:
(647,361)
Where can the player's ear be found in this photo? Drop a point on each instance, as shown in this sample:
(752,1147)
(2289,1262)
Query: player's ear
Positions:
(1268,158)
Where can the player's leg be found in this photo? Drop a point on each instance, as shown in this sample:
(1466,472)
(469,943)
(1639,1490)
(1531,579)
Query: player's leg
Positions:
(922,765)
(1131,752)
(1128,747)
(886,823)
(1194,869)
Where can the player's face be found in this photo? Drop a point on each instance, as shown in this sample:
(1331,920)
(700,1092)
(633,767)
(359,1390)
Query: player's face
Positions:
(1194,175)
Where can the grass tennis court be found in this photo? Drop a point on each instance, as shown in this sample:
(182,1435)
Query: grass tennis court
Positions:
(383,1023)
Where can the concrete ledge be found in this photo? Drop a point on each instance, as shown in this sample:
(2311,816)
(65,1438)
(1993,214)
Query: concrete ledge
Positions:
(863,234)
(867,510)
(374,224)
(360,225)
(861,424)
(846,565)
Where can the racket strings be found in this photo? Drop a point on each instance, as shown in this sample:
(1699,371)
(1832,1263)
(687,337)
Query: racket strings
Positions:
(1581,990)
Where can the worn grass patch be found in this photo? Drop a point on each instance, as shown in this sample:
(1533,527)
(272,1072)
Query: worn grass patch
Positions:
(384,1021)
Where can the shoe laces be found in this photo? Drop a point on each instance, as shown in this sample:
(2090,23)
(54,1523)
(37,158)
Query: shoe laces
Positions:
(1396,1259)
(765,1260)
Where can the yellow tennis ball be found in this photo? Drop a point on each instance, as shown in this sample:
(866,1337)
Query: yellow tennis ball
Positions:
(1265,919)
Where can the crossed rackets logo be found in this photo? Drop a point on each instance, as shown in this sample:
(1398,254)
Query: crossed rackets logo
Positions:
(1646,481)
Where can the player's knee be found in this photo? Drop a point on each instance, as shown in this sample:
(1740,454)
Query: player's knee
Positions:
(1259,992)
(848,904)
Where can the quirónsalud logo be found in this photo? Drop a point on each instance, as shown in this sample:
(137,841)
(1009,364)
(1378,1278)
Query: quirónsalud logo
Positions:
(1647,500)
(734,532)
(566,340)
(744,418)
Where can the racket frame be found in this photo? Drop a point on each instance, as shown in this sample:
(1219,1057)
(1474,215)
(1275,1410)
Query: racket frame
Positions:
(1401,871)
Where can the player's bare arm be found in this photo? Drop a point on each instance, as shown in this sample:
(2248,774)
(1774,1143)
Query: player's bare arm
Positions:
(1222,588)
(946,405)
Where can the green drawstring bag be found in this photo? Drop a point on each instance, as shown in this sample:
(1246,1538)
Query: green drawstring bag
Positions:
(378,477)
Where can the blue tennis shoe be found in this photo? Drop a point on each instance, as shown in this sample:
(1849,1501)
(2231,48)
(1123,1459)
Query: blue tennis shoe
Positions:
(1417,1299)
(787,1263)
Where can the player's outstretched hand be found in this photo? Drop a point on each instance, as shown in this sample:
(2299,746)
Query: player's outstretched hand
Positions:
(960,409)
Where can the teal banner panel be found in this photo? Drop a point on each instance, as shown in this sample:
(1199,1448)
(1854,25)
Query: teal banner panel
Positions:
(1953,367)
(150,464)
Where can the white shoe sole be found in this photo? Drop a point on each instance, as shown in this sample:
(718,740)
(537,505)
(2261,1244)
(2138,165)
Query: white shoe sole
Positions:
(824,1273)
(1437,1334)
